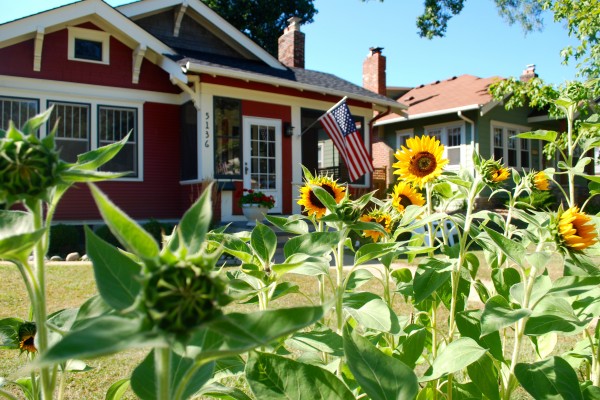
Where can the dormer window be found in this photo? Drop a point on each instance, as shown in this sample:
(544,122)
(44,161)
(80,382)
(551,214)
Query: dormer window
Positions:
(89,45)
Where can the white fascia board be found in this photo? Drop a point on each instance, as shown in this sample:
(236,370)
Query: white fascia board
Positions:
(60,18)
(429,114)
(150,6)
(248,76)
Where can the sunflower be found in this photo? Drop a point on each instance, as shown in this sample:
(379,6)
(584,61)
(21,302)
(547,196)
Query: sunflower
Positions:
(421,161)
(575,229)
(493,172)
(27,332)
(540,181)
(384,219)
(311,203)
(405,195)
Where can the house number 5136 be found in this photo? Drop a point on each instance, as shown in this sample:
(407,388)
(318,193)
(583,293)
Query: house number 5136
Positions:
(206,134)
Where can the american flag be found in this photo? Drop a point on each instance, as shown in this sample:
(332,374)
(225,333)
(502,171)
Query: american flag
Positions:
(340,127)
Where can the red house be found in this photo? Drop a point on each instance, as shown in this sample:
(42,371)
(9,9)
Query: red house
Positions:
(203,103)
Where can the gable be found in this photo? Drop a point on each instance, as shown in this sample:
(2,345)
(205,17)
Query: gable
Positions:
(191,35)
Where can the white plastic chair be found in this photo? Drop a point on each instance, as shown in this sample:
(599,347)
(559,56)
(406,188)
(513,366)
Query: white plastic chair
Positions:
(449,229)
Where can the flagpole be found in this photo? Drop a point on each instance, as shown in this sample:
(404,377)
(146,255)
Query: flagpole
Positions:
(326,112)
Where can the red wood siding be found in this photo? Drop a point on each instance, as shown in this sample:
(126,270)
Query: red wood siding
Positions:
(159,195)
(56,66)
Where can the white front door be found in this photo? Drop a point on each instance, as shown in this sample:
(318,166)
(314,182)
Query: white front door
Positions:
(262,157)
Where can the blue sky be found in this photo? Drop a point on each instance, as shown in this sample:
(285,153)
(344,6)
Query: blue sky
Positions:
(477,42)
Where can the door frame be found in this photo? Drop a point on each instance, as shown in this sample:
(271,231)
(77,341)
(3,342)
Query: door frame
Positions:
(247,122)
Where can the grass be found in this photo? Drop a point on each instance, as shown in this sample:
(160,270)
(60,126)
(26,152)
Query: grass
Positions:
(70,284)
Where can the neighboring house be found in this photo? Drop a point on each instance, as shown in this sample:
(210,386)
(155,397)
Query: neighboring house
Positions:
(461,113)
(203,102)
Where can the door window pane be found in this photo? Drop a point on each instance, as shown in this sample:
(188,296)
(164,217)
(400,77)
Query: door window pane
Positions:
(73,129)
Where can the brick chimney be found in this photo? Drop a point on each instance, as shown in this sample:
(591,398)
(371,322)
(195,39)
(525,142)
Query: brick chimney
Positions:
(374,71)
(291,45)
(528,73)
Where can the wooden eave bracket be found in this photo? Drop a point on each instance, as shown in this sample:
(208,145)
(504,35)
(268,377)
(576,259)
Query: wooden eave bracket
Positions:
(37,49)
(179,17)
(138,58)
(193,91)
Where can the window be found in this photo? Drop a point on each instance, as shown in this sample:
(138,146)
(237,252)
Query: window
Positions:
(451,136)
(89,45)
(513,151)
(320,151)
(114,123)
(189,142)
(228,143)
(73,129)
(16,110)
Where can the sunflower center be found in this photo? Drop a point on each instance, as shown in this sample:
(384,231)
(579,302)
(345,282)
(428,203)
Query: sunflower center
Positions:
(404,201)
(423,163)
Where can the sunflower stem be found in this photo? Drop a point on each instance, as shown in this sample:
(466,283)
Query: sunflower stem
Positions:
(340,282)
(162,363)
(39,300)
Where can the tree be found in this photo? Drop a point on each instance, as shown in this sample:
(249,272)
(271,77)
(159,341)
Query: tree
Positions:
(263,20)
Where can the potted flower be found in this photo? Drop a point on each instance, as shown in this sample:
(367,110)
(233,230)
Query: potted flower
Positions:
(255,204)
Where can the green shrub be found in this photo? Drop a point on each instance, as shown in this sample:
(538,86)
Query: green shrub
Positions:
(156,229)
(104,233)
(65,239)
(538,200)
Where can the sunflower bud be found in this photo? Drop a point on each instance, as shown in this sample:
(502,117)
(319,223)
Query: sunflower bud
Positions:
(28,167)
(182,297)
(493,172)
(27,332)
(348,212)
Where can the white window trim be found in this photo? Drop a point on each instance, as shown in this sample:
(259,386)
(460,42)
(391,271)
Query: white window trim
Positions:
(520,129)
(93,104)
(403,133)
(444,127)
(320,155)
(89,34)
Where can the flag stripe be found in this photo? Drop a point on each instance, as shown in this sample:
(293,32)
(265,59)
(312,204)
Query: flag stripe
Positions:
(340,127)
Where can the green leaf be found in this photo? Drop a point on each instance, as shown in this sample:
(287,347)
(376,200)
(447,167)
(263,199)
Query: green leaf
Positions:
(9,333)
(498,314)
(143,378)
(236,247)
(17,236)
(275,377)
(321,339)
(371,312)
(574,285)
(412,347)
(541,285)
(357,278)
(469,325)
(293,224)
(296,261)
(117,390)
(220,391)
(511,248)
(317,244)
(380,376)
(75,175)
(430,275)
(94,159)
(99,337)
(503,279)
(484,375)
(554,315)
(131,235)
(547,136)
(236,333)
(457,355)
(549,379)
(195,223)
(372,251)
(117,275)
(264,242)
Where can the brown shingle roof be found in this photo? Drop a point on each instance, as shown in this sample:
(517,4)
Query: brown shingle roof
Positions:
(449,94)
